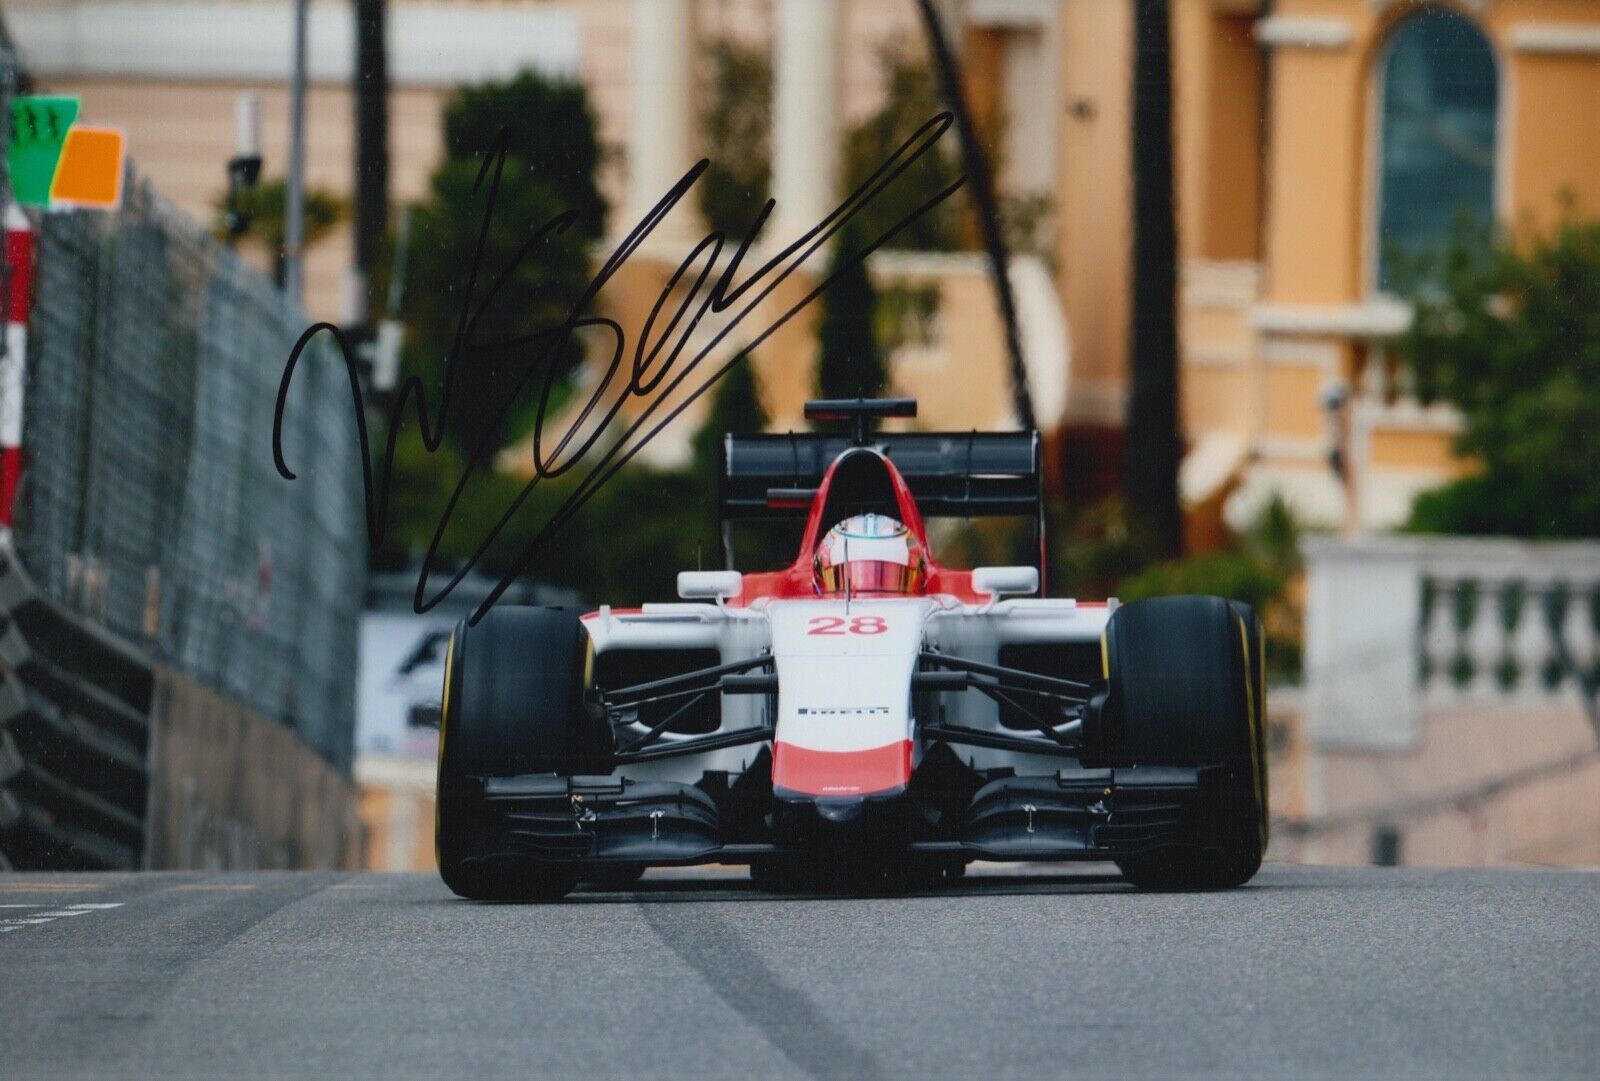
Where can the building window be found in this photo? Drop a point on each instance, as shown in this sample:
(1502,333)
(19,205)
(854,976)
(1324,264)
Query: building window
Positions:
(1437,109)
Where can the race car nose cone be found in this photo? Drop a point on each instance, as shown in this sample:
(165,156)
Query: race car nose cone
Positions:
(840,811)
(807,821)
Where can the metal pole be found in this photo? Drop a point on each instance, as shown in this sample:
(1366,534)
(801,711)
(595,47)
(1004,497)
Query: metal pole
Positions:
(294,226)
(371,93)
(18,296)
(980,181)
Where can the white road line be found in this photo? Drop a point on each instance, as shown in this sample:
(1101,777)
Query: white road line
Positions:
(17,923)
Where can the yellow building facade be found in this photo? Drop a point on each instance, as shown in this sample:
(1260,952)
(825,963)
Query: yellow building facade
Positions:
(1310,141)
(1290,144)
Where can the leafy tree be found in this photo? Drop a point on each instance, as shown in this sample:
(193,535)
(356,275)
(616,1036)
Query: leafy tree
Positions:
(550,129)
(1256,568)
(1028,227)
(986,542)
(850,364)
(264,205)
(737,126)
(912,99)
(551,154)
(1229,573)
(1511,338)
(652,522)
(653,527)
(549,169)
(1090,549)
(735,408)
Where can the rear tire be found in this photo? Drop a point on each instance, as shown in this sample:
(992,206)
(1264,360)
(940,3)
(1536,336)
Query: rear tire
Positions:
(511,704)
(1184,672)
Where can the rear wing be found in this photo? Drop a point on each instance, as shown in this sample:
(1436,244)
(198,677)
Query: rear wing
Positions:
(950,474)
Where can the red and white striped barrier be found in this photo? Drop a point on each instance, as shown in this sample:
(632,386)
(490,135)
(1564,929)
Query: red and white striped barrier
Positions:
(13,365)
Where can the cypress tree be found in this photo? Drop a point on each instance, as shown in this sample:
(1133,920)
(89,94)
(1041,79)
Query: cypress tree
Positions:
(849,364)
(735,408)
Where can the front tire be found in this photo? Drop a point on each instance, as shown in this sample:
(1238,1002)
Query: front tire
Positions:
(512,703)
(1185,674)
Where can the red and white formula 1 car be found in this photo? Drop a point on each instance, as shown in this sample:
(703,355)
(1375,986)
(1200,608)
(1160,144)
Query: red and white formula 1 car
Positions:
(865,710)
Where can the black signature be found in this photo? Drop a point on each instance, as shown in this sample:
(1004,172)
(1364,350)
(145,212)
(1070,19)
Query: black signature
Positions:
(648,371)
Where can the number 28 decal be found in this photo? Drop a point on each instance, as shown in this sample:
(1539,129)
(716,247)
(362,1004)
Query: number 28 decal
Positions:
(841,625)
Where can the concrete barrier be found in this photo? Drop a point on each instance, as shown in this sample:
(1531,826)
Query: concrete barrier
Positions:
(74,728)
(230,789)
(109,761)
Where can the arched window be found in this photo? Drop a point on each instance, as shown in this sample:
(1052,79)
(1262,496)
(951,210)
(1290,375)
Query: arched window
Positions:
(1436,146)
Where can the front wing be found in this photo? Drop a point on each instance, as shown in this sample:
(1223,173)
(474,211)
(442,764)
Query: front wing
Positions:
(1073,814)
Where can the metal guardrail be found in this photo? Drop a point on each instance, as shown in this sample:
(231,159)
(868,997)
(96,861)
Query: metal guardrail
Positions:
(149,503)
(74,736)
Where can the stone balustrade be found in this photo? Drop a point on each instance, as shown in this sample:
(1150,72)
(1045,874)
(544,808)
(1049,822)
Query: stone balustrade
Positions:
(1395,625)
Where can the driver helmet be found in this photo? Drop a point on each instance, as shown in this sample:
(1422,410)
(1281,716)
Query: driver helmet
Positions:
(869,553)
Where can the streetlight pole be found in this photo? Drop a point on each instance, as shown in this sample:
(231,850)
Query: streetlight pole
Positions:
(371,92)
(294,225)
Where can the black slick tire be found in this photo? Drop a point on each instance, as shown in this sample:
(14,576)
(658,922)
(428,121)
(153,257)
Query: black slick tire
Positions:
(1185,674)
(511,704)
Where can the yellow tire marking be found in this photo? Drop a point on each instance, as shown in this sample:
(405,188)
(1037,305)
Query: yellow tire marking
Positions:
(444,696)
(1258,781)
(444,720)
(1261,699)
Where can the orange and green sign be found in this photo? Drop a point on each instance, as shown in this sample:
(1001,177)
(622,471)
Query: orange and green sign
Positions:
(55,161)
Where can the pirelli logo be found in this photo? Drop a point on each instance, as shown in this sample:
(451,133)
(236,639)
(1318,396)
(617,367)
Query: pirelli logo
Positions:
(843,711)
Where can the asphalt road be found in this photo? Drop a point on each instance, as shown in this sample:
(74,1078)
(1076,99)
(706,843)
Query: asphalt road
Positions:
(1342,972)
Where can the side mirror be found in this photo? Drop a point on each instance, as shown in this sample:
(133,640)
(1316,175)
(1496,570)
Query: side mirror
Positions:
(998,580)
(709,585)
